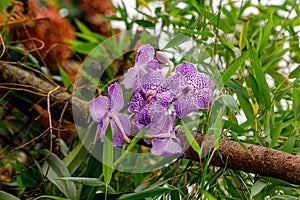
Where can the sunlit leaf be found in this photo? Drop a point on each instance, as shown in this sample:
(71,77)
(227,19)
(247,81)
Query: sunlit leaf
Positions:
(234,66)
(260,78)
(230,102)
(58,170)
(258,186)
(192,141)
(145,193)
(108,156)
(295,73)
(7,196)
(177,40)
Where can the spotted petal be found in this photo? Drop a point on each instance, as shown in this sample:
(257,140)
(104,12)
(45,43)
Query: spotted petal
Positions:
(120,126)
(166,146)
(115,95)
(102,126)
(145,54)
(99,107)
(185,105)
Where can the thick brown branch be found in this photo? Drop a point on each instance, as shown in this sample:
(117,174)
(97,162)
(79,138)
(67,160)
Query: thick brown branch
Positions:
(261,160)
(39,88)
(258,160)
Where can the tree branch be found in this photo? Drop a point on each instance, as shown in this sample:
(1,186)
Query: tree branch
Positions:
(257,160)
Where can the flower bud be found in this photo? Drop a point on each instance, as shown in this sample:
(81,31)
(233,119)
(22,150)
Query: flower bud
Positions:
(162,57)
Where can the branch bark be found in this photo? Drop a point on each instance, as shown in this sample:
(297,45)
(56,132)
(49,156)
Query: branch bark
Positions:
(36,89)
(257,160)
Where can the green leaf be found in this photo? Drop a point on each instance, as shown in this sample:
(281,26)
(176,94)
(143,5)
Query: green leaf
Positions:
(295,73)
(82,47)
(251,84)
(7,196)
(145,194)
(144,23)
(208,195)
(276,134)
(265,36)
(4,4)
(50,197)
(177,40)
(258,186)
(108,156)
(65,78)
(84,180)
(260,78)
(238,88)
(296,105)
(82,27)
(247,108)
(79,153)
(204,33)
(234,67)
(243,41)
(194,144)
(216,126)
(288,145)
(58,170)
(230,102)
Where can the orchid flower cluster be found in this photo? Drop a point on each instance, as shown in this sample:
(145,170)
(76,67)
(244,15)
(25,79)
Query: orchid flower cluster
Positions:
(156,101)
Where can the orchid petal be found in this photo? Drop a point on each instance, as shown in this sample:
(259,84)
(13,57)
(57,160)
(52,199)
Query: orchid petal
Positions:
(115,95)
(99,107)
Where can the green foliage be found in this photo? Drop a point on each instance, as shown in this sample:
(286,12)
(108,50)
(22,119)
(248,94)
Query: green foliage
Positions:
(254,59)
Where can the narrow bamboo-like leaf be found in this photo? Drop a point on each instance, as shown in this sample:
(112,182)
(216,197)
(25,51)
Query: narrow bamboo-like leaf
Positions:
(238,88)
(288,145)
(84,180)
(258,186)
(247,108)
(82,47)
(177,40)
(295,73)
(193,142)
(7,196)
(296,104)
(93,169)
(82,27)
(276,134)
(144,3)
(19,177)
(217,126)
(230,102)
(260,78)
(243,41)
(108,156)
(195,32)
(130,147)
(208,195)
(144,23)
(233,127)
(234,67)
(145,194)
(50,197)
(58,170)
(265,36)
(66,79)
(252,84)
(79,154)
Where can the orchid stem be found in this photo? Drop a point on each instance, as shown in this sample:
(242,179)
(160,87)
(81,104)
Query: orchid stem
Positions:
(130,147)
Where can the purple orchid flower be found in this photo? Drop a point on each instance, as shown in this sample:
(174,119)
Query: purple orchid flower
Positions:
(144,62)
(164,141)
(106,110)
(194,89)
(151,99)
